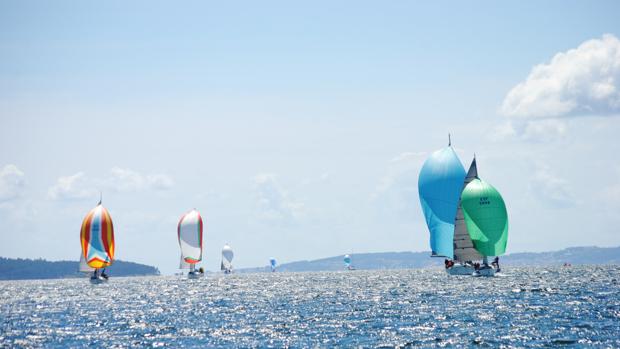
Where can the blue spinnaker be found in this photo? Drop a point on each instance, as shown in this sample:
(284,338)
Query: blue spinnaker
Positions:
(439,186)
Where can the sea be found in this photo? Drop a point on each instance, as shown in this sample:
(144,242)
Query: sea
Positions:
(521,307)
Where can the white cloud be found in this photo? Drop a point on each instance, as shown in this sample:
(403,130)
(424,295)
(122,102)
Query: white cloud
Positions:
(584,81)
(11,182)
(536,131)
(323,178)
(79,186)
(124,180)
(578,82)
(273,203)
(72,187)
(397,192)
(611,193)
(550,189)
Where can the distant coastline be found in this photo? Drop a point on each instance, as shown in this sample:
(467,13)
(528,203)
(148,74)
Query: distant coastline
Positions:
(414,260)
(27,269)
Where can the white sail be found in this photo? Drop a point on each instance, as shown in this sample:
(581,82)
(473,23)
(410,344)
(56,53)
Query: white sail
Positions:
(183,264)
(227,257)
(463,246)
(190,236)
(84,267)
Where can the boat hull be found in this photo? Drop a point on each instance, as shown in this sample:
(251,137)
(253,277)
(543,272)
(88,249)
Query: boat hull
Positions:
(97,280)
(194,275)
(485,272)
(460,269)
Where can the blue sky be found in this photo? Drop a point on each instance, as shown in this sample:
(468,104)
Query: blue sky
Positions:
(298,130)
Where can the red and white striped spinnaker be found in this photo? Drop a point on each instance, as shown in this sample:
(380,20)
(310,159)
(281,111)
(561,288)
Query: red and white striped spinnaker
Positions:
(97,238)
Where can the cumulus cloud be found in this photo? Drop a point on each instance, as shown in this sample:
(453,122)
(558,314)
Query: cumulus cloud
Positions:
(72,187)
(80,186)
(578,82)
(584,81)
(273,203)
(535,131)
(11,183)
(550,189)
(397,192)
(123,180)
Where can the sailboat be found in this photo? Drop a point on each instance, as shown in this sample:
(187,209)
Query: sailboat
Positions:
(97,241)
(347,262)
(272,263)
(227,257)
(486,220)
(189,233)
(440,183)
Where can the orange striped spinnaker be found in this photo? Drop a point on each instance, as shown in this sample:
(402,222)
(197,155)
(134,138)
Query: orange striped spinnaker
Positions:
(97,238)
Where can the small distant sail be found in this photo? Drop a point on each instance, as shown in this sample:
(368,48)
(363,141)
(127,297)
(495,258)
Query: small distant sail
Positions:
(347,261)
(84,268)
(439,185)
(189,233)
(97,238)
(486,218)
(272,263)
(463,245)
(227,257)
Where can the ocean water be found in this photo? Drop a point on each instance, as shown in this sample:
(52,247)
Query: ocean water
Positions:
(525,307)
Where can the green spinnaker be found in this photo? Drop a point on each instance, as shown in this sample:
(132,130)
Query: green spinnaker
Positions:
(486,217)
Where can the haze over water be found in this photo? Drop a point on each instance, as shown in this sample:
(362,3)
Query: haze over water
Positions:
(526,307)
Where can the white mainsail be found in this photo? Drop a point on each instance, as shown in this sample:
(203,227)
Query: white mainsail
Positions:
(463,246)
(84,267)
(183,264)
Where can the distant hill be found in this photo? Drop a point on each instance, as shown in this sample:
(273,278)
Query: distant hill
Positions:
(413,260)
(22,269)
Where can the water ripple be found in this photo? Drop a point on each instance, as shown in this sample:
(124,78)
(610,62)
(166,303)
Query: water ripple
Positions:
(533,307)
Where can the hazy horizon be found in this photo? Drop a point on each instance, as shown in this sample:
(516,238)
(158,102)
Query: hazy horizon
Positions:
(298,130)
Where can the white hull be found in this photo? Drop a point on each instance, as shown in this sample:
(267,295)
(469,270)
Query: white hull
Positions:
(97,280)
(460,269)
(486,272)
(194,275)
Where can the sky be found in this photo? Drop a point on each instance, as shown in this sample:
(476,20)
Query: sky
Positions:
(298,130)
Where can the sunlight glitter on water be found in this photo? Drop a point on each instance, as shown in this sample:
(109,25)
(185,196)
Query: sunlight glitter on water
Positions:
(527,307)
